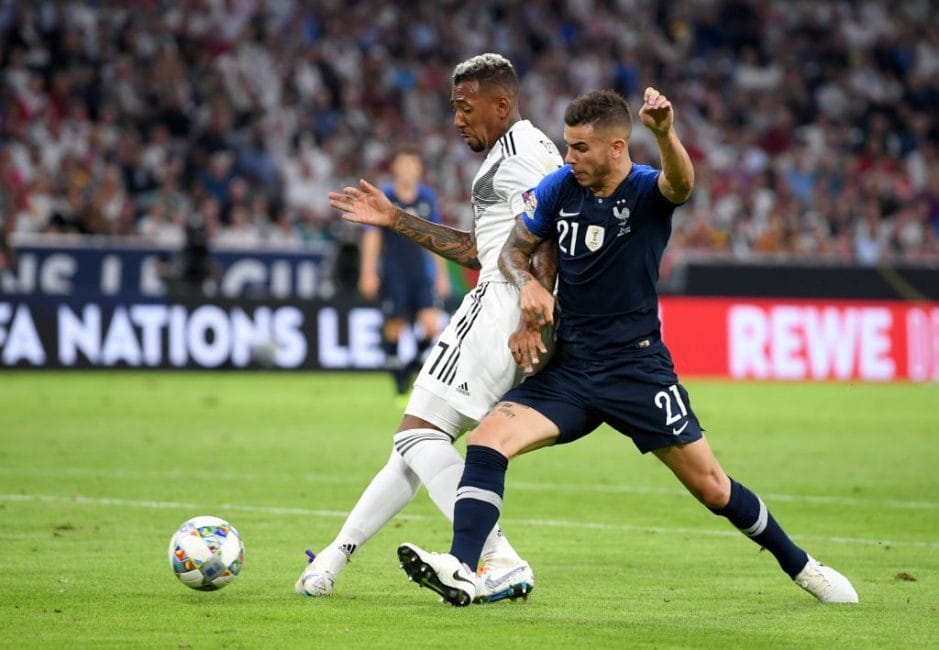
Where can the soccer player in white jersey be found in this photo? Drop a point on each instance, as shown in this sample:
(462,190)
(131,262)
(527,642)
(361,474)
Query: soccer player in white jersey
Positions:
(471,365)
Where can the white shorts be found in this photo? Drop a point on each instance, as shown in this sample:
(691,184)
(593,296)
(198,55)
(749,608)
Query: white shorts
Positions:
(470,367)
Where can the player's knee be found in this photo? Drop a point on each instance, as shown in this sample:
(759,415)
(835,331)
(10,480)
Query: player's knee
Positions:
(481,436)
(406,443)
(712,489)
(494,438)
(392,329)
(430,323)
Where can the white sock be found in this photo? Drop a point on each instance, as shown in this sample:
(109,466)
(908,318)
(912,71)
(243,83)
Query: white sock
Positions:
(498,549)
(392,488)
(430,454)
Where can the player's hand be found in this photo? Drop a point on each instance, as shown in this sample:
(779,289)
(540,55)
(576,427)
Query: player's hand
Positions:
(537,304)
(656,112)
(365,204)
(526,343)
(368,285)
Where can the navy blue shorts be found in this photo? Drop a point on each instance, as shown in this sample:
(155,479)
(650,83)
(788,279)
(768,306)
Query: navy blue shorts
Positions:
(403,298)
(637,394)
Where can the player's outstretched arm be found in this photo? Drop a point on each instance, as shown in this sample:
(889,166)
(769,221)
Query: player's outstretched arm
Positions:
(677,178)
(368,204)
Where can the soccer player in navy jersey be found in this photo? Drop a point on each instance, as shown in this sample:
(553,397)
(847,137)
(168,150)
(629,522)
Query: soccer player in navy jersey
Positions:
(611,219)
(409,283)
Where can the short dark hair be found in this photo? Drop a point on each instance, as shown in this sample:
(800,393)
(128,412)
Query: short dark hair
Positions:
(488,69)
(600,108)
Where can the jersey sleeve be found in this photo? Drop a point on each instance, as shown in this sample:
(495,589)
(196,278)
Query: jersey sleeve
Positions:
(662,206)
(541,204)
(516,175)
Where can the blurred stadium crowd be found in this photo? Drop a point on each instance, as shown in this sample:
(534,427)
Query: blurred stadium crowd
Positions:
(814,126)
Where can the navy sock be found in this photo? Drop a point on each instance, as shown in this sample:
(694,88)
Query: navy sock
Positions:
(478,502)
(394,366)
(418,360)
(747,512)
(422,346)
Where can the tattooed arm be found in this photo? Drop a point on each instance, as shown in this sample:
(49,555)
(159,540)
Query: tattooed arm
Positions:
(544,263)
(528,342)
(456,245)
(368,204)
(536,301)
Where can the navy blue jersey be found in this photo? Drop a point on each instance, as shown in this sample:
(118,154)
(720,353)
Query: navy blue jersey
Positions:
(609,253)
(400,256)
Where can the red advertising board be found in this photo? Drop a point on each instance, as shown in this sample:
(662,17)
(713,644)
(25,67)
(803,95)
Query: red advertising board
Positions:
(804,340)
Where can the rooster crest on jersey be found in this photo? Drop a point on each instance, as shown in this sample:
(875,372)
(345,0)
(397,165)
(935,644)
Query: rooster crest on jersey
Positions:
(622,215)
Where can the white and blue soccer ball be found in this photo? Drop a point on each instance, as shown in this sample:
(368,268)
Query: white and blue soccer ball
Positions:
(206,553)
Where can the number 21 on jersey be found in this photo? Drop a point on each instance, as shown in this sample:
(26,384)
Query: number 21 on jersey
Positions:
(671,402)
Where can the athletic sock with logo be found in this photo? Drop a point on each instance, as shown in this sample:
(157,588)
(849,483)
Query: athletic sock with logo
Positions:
(750,515)
(389,492)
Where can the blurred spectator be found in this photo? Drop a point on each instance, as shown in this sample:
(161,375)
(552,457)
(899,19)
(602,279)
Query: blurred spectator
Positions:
(283,233)
(240,232)
(109,204)
(163,225)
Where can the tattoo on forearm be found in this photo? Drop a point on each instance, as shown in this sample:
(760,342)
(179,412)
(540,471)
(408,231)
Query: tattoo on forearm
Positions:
(514,261)
(456,245)
(544,264)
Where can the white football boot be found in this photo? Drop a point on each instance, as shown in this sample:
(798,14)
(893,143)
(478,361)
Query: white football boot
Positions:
(315,581)
(825,583)
(500,579)
(439,572)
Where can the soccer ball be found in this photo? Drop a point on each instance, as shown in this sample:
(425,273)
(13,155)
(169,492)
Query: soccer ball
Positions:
(206,553)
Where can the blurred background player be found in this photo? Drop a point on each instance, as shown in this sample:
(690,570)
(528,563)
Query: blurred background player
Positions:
(410,283)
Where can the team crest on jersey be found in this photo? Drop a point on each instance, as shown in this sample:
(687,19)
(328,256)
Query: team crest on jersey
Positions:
(594,237)
(530,202)
(622,215)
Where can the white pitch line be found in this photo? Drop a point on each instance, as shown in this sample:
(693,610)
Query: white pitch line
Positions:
(548,523)
(873,502)
(801,498)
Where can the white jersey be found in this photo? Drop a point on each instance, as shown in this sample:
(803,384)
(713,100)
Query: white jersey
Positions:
(520,159)
(470,367)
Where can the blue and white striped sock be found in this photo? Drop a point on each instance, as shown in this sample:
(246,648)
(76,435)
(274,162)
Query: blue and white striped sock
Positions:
(747,512)
(478,502)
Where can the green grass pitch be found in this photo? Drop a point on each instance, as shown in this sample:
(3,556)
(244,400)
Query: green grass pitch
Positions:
(97,469)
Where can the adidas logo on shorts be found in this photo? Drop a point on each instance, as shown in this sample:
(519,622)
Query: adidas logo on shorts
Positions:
(463,389)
